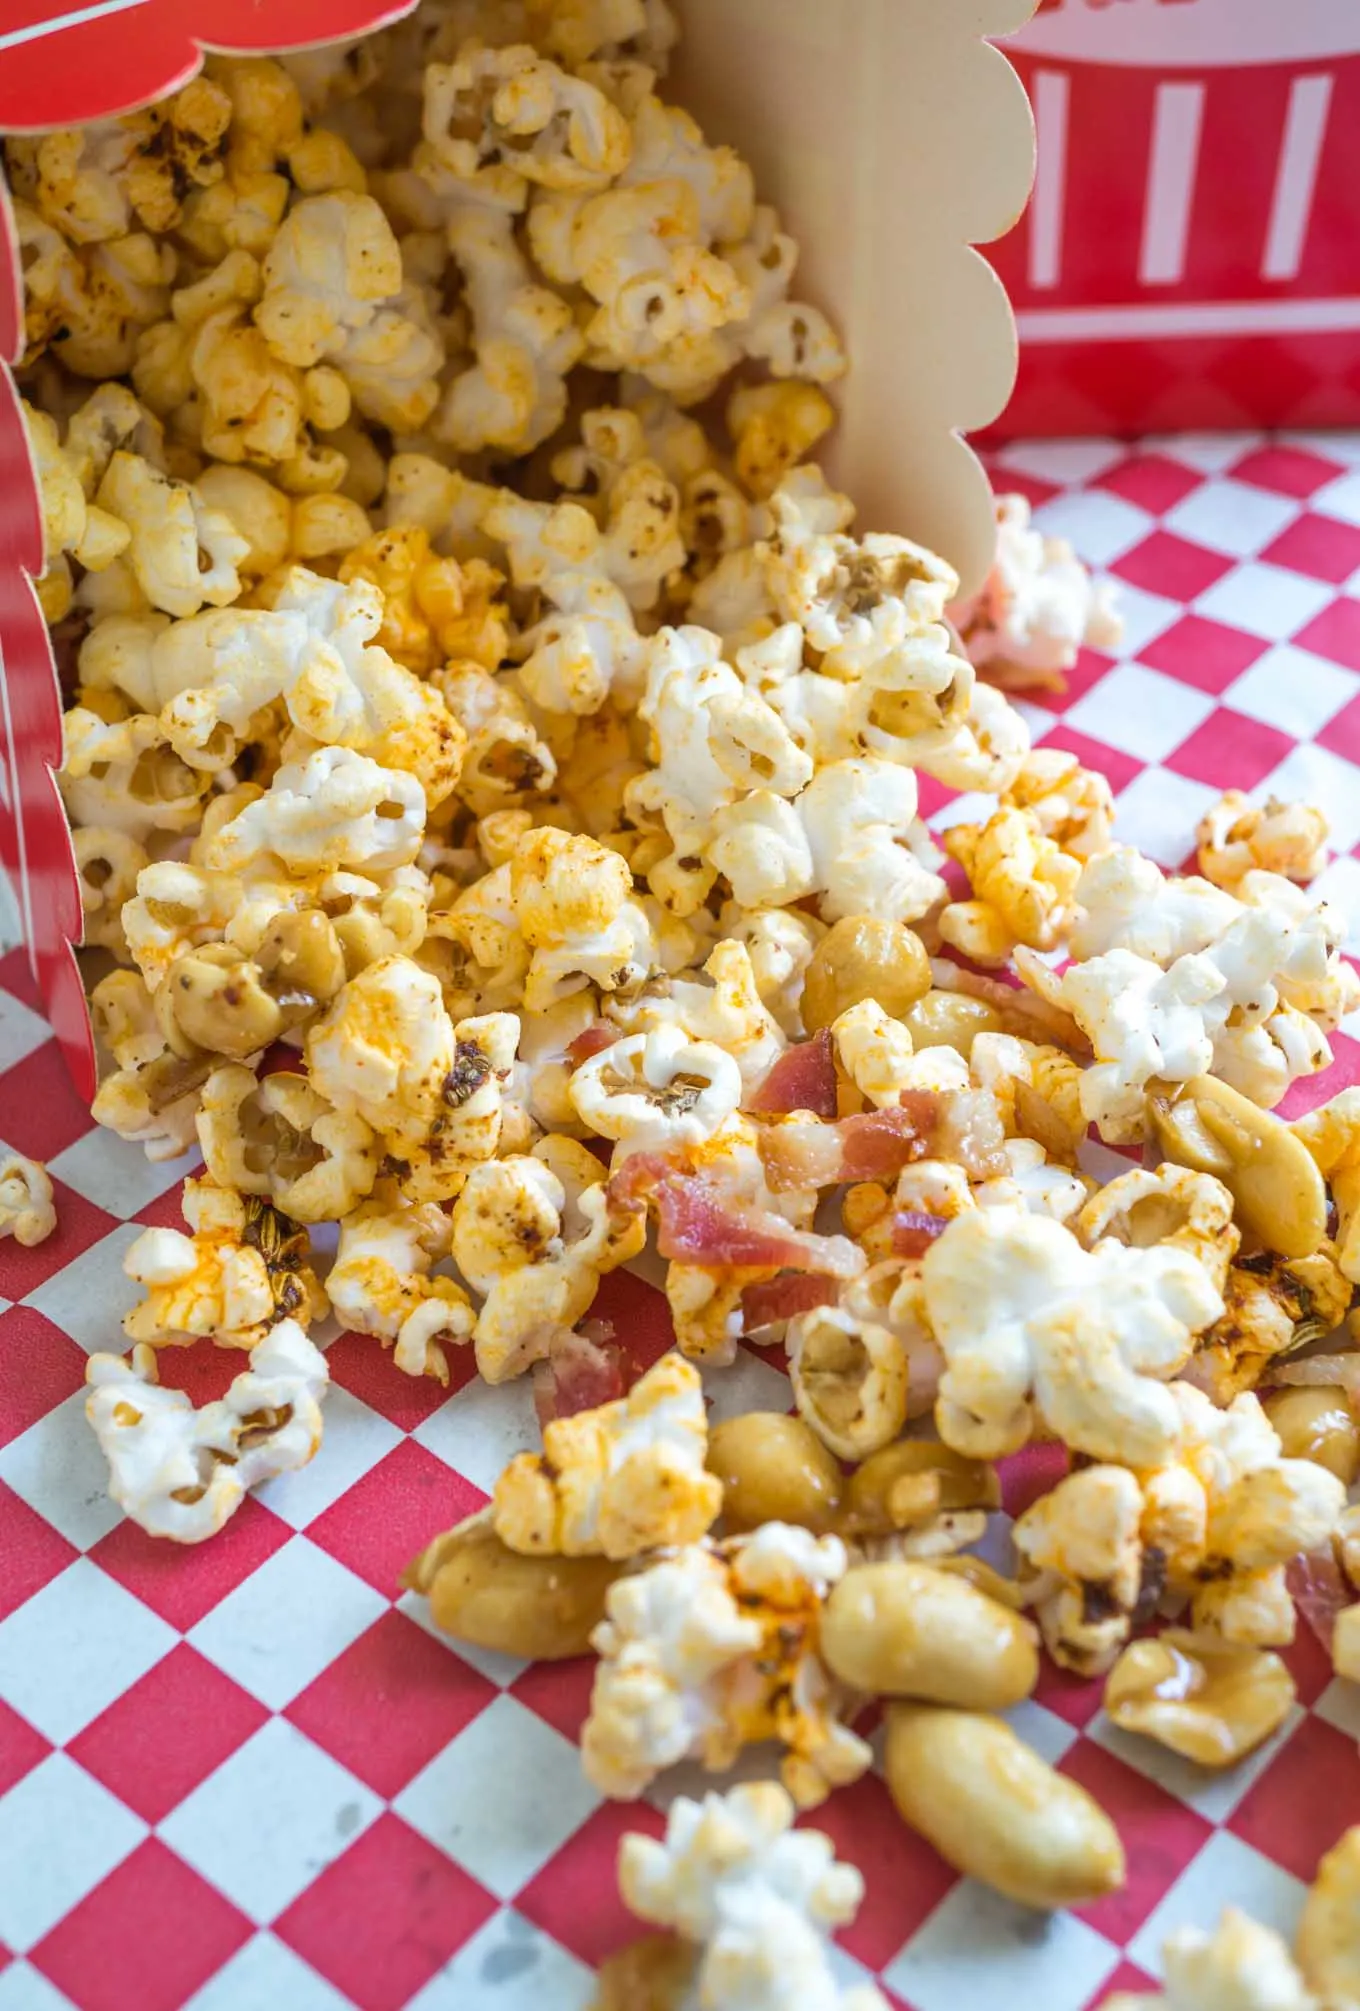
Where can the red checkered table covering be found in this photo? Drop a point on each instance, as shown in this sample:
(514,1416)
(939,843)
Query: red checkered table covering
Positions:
(250,1775)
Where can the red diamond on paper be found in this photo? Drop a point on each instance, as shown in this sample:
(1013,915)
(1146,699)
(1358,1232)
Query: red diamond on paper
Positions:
(1091,665)
(166,1211)
(904,1877)
(1161,1836)
(1230,751)
(1207,654)
(42,1112)
(167,1733)
(1011,482)
(1303,1800)
(1335,634)
(1154,482)
(639,1315)
(1341,735)
(575,1897)
(559,1693)
(390,1703)
(364,1367)
(148,1936)
(1070,1697)
(1128,1977)
(1290,471)
(1322,547)
(40,1367)
(1120,769)
(21,1747)
(80,1225)
(383,1521)
(1166,564)
(34,1553)
(182,1581)
(380,1920)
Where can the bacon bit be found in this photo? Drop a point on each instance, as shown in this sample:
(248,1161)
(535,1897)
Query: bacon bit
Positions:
(803,1078)
(1319,1590)
(913,1231)
(592,1039)
(782,1298)
(583,1370)
(699,1223)
(873,1146)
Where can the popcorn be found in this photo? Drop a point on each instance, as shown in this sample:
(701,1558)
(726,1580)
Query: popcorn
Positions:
(28,1211)
(183,1473)
(93,536)
(1027,1319)
(1038,607)
(108,863)
(1074,805)
(871,854)
(92,183)
(1240,1967)
(506,760)
(1216,1522)
(121,776)
(380,1283)
(656,1091)
(534,1235)
(278,1138)
(429,603)
(171,533)
(721,1008)
(1169,1208)
(875,1051)
(333,808)
(153,1103)
(89,304)
(1332,1135)
(617,1481)
(525,339)
(1272,1305)
(759,1898)
(499,117)
(571,900)
(712,1649)
(850,1375)
(1023,887)
(242,1270)
(1237,837)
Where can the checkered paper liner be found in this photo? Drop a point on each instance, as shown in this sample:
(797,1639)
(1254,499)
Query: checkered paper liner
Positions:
(249,1774)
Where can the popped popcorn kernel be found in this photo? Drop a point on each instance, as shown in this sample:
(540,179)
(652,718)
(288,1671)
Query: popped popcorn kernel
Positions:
(28,1210)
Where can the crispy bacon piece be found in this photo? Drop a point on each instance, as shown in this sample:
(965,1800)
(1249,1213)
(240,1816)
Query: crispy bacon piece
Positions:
(1320,1591)
(583,1370)
(913,1231)
(700,1222)
(783,1297)
(873,1146)
(592,1039)
(803,1078)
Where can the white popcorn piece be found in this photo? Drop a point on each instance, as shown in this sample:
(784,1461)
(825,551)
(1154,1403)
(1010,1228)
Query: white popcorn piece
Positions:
(617,1481)
(380,1283)
(28,1211)
(122,776)
(182,553)
(1029,1320)
(1237,837)
(1022,885)
(1032,1182)
(656,1092)
(1038,607)
(704,1652)
(276,1137)
(721,1007)
(1167,1207)
(514,396)
(875,1051)
(497,117)
(780,943)
(242,1269)
(759,1898)
(333,808)
(871,853)
(183,1473)
(571,899)
(1241,1966)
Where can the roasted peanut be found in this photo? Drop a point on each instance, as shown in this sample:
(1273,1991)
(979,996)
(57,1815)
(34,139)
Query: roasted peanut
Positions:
(542,1608)
(1212,1704)
(996,1811)
(907,1483)
(773,1469)
(653,1974)
(1277,1188)
(950,1019)
(1328,1945)
(1317,1423)
(902,1629)
(215,1001)
(863,958)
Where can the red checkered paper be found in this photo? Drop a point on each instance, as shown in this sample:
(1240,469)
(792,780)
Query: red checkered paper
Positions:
(249,1775)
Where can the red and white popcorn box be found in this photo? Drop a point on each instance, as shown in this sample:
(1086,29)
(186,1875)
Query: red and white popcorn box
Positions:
(930,123)
(1191,257)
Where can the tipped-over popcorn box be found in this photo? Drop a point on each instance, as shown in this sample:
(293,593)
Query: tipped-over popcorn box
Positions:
(892,135)
(1189,259)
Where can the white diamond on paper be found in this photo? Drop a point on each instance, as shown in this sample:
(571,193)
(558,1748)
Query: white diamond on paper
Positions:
(287,1622)
(56,1466)
(479,1431)
(1226,1872)
(1100,526)
(1159,812)
(23,1988)
(1291,689)
(88,1299)
(100,1166)
(974,1939)
(1139,711)
(1231,517)
(267,1974)
(1211,1794)
(502,1797)
(68,1652)
(270,1819)
(356,1438)
(60,1834)
(508,1965)
(1265,600)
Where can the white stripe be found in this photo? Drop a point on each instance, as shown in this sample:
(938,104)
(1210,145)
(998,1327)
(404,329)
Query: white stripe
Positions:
(1051,95)
(38,29)
(1218,317)
(1178,115)
(1291,209)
